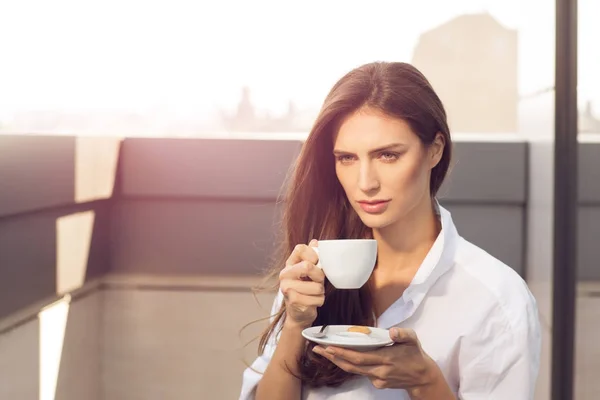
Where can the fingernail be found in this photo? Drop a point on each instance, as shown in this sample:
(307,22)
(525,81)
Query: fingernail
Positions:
(330,350)
(317,350)
(394,333)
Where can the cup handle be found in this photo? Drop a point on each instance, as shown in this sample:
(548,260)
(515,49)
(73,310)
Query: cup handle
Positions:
(316,249)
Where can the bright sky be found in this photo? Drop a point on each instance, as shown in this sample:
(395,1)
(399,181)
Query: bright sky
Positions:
(192,56)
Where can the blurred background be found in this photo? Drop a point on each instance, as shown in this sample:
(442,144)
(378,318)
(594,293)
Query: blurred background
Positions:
(144,145)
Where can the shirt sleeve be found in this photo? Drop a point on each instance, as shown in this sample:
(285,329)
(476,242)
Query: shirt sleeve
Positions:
(253,374)
(501,360)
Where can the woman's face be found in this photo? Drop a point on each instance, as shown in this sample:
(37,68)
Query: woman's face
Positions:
(383,166)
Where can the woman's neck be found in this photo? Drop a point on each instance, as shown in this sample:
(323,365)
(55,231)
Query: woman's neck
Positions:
(403,245)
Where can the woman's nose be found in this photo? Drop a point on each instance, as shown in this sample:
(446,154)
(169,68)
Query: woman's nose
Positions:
(367,180)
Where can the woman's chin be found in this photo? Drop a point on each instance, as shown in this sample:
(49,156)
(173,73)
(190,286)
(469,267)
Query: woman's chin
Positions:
(376,221)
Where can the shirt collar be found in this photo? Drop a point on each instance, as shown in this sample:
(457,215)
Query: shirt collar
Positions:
(438,261)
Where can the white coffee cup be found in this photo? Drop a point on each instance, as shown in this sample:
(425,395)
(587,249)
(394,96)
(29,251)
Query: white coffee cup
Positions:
(347,263)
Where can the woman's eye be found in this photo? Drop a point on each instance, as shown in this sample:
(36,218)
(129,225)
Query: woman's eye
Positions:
(389,156)
(345,158)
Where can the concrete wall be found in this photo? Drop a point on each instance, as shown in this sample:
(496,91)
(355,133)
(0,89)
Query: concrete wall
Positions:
(187,206)
(487,197)
(180,202)
(182,228)
(54,215)
(589,211)
(182,206)
(198,206)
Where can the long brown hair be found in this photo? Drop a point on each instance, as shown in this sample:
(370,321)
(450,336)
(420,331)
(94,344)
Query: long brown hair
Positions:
(316,206)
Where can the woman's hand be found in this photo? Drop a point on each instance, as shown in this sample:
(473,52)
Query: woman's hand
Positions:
(403,365)
(301,283)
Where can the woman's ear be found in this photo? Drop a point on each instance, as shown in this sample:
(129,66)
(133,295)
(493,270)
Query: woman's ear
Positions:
(436,150)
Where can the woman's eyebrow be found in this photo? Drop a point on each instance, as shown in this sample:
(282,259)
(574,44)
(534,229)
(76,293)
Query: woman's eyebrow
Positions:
(377,150)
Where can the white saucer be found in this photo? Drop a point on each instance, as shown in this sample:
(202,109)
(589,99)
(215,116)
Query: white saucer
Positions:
(338,335)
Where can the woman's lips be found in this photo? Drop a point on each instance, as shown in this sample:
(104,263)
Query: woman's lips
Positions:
(374,207)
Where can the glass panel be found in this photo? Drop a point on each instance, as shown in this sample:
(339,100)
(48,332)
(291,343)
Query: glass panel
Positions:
(587,347)
(536,125)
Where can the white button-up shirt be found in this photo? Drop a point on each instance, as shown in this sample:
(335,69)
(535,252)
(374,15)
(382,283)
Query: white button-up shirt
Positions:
(473,315)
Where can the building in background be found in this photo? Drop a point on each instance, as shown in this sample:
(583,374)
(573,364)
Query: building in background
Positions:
(471,61)
(247,119)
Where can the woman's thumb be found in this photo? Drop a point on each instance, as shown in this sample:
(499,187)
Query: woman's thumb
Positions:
(400,335)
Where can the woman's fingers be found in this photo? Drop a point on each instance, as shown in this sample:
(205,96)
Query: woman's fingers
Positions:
(403,335)
(301,283)
(301,253)
(353,357)
(303,287)
(303,269)
(302,302)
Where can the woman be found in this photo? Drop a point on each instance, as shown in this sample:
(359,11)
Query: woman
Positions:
(464,324)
